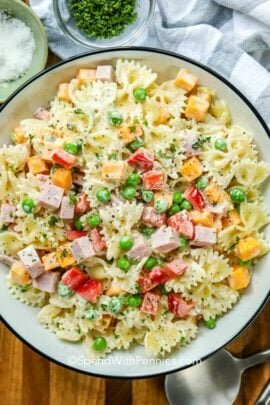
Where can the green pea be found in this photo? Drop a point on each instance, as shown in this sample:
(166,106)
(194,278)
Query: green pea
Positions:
(115,118)
(133,180)
(115,305)
(123,263)
(140,94)
(186,205)
(220,144)
(246,263)
(126,242)
(210,323)
(64,291)
(161,206)
(135,301)
(174,209)
(103,195)
(237,195)
(72,148)
(147,196)
(202,182)
(150,263)
(136,144)
(99,344)
(91,314)
(147,231)
(177,197)
(78,224)
(93,221)
(183,243)
(129,192)
(28,205)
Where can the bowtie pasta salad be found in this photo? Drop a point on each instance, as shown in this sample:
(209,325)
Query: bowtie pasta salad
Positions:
(131,210)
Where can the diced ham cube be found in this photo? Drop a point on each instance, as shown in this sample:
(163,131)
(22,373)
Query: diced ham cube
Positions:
(159,275)
(50,196)
(90,290)
(98,242)
(145,283)
(64,158)
(31,260)
(72,235)
(195,197)
(7,260)
(140,248)
(178,306)
(204,236)
(165,239)
(176,268)
(77,179)
(182,223)
(42,114)
(82,249)
(142,159)
(105,73)
(66,209)
(82,204)
(154,180)
(152,217)
(7,214)
(47,281)
(150,303)
(189,140)
(74,278)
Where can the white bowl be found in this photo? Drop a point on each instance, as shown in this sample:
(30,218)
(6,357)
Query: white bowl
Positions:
(22,320)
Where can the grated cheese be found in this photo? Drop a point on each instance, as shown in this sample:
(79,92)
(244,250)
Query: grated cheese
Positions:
(17,47)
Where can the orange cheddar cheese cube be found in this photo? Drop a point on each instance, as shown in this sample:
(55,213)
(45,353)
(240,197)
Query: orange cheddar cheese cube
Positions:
(63,92)
(64,255)
(191,169)
(163,117)
(164,195)
(18,136)
(240,278)
(204,218)
(37,165)
(62,177)
(233,218)
(103,324)
(114,170)
(128,134)
(114,290)
(19,273)
(50,261)
(214,193)
(196,108)
(247,248)
(85,76)
(186,80)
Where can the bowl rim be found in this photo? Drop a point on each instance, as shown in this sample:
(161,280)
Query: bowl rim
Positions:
(253,110)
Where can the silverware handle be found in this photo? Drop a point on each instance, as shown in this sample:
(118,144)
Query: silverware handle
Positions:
(257,358)
(264,398)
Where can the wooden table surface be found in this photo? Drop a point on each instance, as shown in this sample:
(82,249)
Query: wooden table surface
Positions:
(29,379)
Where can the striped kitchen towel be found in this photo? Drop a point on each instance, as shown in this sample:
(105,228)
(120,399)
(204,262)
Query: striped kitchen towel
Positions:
(230,36)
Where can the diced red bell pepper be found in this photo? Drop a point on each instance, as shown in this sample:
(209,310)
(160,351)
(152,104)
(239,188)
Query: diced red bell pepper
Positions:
(176,268)
(150,303)
(64,158)
(99,243)
(142,159)
(154,180)
(182,223)
(72,235)
(90,290)
(159,275)
(178,306)
(82,204)
(152,217)
(74,278)
(145,283)
(195,197)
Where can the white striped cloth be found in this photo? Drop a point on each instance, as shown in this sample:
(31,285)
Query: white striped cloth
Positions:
(230,36)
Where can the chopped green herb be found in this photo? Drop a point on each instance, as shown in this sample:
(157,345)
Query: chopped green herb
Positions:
(200,142)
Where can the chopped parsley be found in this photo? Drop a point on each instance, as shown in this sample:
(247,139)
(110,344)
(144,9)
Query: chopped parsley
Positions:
(199,144)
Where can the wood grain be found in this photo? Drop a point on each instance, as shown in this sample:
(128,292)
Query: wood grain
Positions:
(28,379)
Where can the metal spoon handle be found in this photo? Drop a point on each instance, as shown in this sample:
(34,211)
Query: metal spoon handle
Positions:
(264,398)
(255,359)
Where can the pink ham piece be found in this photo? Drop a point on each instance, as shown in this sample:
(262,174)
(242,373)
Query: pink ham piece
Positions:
(182,223)
(31,260)
(82,249)
(98,242)
(165,239)
(66,209)
(152,217)
(7,214)
(48,281)
(204,236)
(178,306)
(50,196)
(176,268)
(140,248)
(42,114)
(150,303)
(105,73)
(7,260)
(189,140)
(218,209)
(43,178)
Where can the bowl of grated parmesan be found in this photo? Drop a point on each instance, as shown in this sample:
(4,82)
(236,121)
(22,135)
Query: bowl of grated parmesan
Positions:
(23,44)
